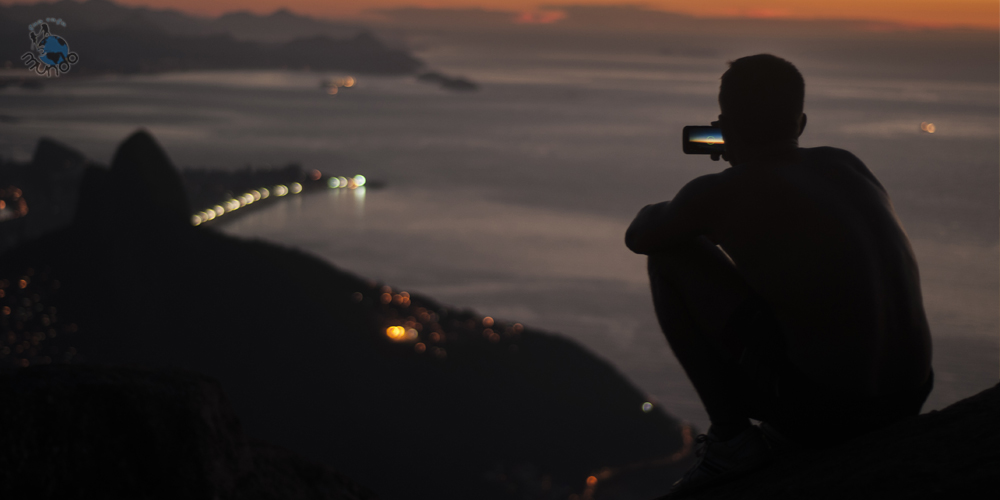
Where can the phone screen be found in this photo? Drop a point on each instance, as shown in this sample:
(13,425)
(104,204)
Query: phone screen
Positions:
(703,140)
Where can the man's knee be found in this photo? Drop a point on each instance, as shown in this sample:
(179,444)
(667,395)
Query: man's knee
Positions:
(707,286)
(656,264)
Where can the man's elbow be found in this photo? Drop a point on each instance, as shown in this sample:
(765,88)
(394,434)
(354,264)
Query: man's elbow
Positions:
(633,240)
(637,232)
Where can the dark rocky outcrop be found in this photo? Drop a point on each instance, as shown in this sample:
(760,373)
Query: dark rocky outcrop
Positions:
(143,185)
(101,432)
(953,453)
(50,183)
(141,190)
(52,158)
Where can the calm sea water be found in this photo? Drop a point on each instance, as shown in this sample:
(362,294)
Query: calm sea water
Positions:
(514,200)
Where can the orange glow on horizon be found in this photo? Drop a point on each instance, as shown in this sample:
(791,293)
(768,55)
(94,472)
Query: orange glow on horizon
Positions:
(983,14)
(540,17)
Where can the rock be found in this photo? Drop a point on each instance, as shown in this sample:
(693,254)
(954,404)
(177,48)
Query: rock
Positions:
(94,204)
(952,453)
(49,184)
(102,432)
(145,186)
(52,158)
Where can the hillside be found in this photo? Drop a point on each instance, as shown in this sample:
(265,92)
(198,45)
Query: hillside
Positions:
(464,403)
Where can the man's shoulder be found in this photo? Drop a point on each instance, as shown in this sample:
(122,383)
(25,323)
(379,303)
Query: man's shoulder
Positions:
(829,153)
(707,184)
(842,158)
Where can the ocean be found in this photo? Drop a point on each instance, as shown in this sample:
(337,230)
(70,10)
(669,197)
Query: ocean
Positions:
(513,200)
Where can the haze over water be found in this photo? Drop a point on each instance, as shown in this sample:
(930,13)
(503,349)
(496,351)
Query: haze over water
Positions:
(514,200)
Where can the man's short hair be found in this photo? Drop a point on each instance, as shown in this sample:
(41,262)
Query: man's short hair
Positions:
(761,98)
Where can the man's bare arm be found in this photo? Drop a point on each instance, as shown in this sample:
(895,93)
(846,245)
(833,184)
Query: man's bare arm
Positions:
(687,216)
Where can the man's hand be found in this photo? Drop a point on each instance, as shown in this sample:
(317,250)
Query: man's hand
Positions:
(694,211)
(638,232)
(716,156)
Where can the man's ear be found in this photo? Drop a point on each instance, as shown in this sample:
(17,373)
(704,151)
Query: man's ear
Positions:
(802,123)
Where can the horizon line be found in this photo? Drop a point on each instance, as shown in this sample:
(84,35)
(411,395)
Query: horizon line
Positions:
(537,16)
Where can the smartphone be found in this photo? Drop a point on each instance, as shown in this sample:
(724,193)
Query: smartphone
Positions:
(703,140)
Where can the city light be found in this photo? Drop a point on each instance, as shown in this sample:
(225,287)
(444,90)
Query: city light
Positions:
(396,333)
(254,195)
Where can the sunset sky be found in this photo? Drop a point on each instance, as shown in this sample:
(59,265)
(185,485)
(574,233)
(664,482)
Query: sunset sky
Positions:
(931,13)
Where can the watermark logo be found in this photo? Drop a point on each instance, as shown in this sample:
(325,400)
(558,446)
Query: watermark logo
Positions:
(49,54)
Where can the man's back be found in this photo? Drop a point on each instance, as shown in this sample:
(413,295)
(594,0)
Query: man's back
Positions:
(817,238)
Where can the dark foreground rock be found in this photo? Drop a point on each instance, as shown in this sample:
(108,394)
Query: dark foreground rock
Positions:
(99,432)
(948,454)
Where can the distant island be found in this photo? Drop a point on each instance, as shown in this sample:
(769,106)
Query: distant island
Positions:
(111,38)
(447,82)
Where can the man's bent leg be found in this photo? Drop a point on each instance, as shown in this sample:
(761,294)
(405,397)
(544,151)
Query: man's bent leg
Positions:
(695,291)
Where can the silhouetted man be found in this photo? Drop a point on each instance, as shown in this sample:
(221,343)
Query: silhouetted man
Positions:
(809,319)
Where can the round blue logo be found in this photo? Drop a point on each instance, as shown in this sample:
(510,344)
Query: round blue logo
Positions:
(55,50)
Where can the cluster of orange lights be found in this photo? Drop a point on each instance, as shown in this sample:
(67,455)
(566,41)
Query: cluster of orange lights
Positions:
(401,333)
(12,203)
(26,322)
(411,328)
(422,329)
(488,332)
(423,332)
(402,298)
(334,85)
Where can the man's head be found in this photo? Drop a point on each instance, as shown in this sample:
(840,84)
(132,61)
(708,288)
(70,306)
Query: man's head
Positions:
(761,100)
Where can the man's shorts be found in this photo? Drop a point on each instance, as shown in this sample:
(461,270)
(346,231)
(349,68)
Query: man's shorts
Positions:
(812,414)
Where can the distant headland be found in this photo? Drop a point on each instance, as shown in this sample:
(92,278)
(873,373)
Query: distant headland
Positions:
(112,38)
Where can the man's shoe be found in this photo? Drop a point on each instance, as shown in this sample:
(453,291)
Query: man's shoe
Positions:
(718,460)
